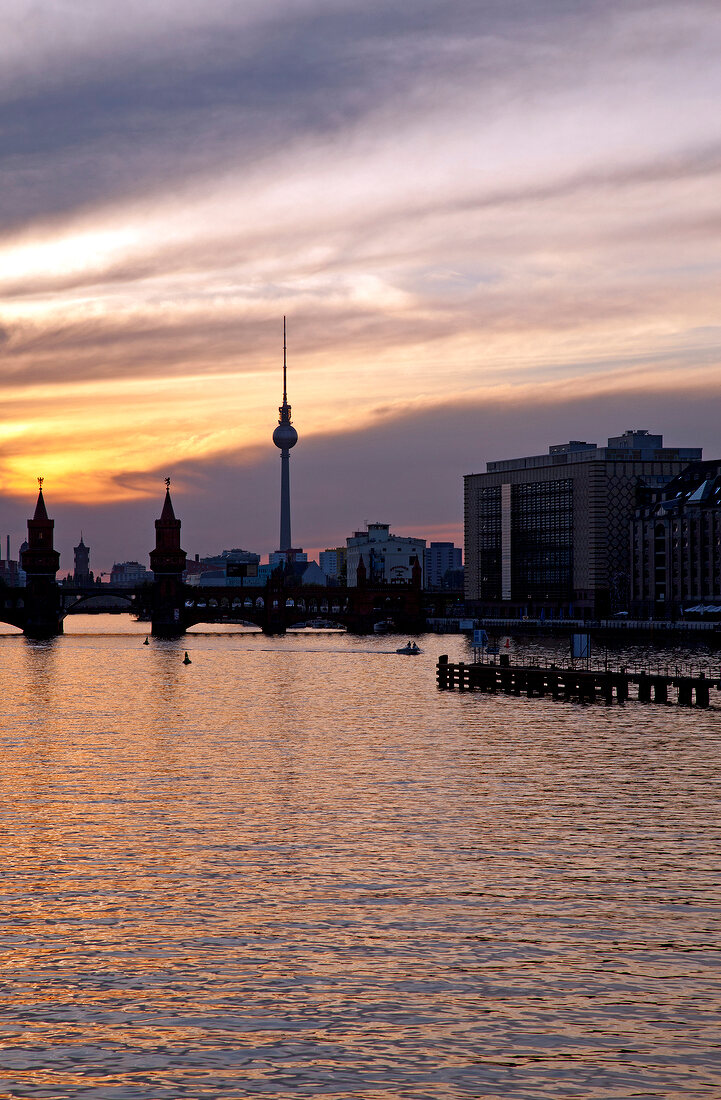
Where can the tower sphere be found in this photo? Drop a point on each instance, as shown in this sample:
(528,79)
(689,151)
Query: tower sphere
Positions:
(285,436)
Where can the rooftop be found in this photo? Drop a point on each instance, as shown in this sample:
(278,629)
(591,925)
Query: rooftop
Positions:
(636,444)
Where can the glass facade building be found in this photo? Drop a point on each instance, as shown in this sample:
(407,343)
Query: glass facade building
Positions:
(542,539)
(549,534)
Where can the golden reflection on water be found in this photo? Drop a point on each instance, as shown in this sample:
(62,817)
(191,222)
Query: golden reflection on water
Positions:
(293,868)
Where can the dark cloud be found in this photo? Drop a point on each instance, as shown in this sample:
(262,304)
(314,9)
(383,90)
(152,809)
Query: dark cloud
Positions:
(135,121)
(116,121)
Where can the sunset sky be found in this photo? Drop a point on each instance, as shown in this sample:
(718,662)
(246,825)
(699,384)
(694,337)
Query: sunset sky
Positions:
(493,225)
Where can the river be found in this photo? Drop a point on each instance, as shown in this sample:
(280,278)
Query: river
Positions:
(293,868)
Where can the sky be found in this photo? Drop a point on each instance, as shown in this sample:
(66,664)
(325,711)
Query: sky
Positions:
(493,226)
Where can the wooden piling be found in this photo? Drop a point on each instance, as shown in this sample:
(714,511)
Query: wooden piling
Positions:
(644,688)
(660,689)
(582,684)
(607,687)
(685,692)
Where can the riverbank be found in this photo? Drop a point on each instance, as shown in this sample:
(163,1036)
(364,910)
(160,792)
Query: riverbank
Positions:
(647,630)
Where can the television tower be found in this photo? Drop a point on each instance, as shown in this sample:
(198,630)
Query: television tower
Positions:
(285,436)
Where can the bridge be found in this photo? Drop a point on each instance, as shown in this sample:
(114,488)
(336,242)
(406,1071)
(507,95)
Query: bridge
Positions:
(281,604)
(171,606)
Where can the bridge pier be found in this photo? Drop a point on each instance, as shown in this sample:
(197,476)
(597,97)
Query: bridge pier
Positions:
(163,629)
(167,611)
(42,622)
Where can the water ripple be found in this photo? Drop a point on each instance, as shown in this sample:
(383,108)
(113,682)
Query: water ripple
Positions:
(295,869)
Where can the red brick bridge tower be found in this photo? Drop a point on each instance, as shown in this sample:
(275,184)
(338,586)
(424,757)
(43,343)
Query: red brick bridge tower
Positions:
(167,562)
(41,561)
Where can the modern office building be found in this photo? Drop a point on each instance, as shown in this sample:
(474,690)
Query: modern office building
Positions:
(11,574)
(386,557)
(125,574)
(297,567)
(283,557)
(549,535)
(230,563)
(333,563)
(441,564)
(228,567)
(676,546)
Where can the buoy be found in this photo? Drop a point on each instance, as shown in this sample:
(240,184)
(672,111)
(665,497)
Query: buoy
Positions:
(186,659)
(146,642)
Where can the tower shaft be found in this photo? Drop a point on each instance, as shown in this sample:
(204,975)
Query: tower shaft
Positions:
(285,540)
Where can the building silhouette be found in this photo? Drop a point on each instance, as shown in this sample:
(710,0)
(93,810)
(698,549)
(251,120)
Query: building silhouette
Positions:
(549,535)
(11,574)
(333,563)
(442,563)
(676,546)
(126,574)
(385,557)
(81,557)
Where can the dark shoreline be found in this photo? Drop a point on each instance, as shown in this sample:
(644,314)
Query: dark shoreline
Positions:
(618,631)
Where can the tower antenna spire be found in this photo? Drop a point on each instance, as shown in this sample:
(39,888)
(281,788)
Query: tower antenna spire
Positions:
(285,367)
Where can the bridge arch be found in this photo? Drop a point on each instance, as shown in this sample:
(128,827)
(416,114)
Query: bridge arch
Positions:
(12,607)
(205,625)
(85,600)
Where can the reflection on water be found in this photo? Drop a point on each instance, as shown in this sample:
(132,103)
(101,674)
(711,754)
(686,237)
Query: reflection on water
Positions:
(293,868)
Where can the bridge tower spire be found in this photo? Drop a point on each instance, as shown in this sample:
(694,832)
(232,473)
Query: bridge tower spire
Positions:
(41,561)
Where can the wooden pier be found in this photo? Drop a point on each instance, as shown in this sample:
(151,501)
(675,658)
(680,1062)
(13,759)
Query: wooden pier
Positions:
(686,687)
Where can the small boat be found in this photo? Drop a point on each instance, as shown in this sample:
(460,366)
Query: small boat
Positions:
(383,627)
(410,648)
